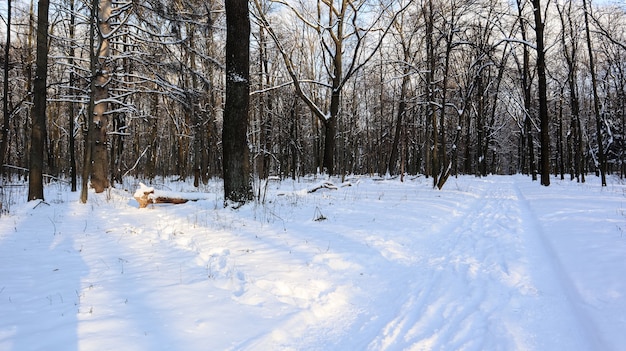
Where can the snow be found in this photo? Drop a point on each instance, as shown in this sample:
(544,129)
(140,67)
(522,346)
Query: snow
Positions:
(497,263)
(237,78)
(152,194)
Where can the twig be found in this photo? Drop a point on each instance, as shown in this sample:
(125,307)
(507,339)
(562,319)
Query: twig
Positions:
(136,162)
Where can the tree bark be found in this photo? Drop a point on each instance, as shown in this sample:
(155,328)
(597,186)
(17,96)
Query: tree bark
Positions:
(570,54)
(236,168)
(527,132)
(38,130)
(444,164)
(393,157)
(430,81)
(4,137)
(543,96)
(596,102)
(89,135)
(70,109)
(100,167)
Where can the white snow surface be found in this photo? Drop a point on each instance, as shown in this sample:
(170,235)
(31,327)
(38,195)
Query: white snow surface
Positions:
(495,263)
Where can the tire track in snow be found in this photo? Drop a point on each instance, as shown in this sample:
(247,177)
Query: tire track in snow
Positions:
(450,285)
(587,331)
(474,292)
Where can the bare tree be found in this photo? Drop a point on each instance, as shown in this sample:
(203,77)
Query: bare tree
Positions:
(38,130)
(71,105)
(102,78)
(343,40)
(405,41)
(610,23)
(596,100)
(543,94)
(342,86)
(90,132)
(527,126)
(237,186)
(569,42)
(4,136)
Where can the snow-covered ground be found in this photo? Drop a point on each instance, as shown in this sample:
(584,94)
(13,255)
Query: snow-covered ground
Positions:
(497,263)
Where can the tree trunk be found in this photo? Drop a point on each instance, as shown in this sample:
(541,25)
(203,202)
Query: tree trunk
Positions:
(89,137)
(4,137)
(151,162)
(196,114)
(70,109)
(38,130)
(481,156)
(335,98)
(596,102)
(330,131)
(527,132)
(561,163)
(211,153)
(100,164)
(444,164)
(263,157)
(570,54)
(430,81)
(393,157)
(543,96)
(237,187)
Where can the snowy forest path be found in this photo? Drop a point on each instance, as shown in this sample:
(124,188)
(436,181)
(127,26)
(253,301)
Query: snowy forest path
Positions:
(497,263)
(474,292)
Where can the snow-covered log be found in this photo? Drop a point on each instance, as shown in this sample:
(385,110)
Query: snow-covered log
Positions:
(326,185)
(146,195)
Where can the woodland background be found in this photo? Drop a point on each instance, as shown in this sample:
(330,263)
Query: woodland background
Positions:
(432,87)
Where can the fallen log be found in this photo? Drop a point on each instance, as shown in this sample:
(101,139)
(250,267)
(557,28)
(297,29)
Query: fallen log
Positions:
(326,185)
(146,195)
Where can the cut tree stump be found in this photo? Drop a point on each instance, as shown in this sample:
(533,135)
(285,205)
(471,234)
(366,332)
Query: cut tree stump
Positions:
(146,195)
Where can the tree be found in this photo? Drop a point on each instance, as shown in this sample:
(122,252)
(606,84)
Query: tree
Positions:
(71,109)
(429,18)
(450,82)
(404,40)
(610,23)
(596,103)
(4,136)
(342,39)
(236,168)
(38,130)
(100,94)
(527,126)
(570,50)
(89,137)
(543,95)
